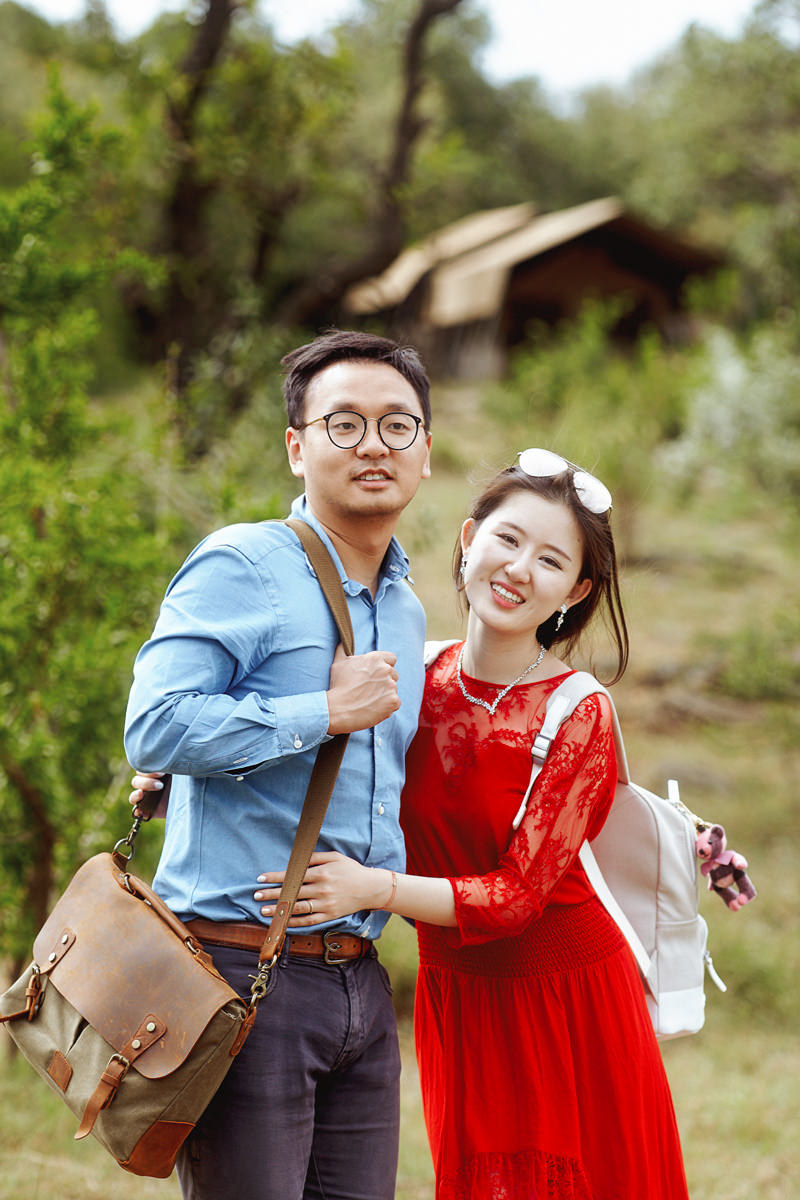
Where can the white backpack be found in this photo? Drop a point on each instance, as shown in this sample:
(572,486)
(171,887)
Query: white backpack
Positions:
(643,866)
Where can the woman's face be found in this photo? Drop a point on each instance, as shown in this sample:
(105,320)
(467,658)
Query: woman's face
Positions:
(524,561)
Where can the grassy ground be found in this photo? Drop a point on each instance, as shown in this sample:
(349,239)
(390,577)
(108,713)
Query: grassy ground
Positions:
(707,591)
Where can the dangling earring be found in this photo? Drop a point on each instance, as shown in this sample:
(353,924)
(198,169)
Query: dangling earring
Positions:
(561,616)
(463,569)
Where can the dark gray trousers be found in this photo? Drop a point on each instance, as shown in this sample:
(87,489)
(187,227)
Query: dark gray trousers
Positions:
(310,1108)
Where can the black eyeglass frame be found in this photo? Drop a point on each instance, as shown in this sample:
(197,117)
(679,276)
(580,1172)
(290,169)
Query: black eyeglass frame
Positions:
(418,421)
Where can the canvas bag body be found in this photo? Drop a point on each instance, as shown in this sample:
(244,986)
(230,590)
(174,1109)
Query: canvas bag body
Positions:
(108,970)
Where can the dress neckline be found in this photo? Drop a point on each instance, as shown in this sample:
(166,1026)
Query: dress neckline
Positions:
(478,682)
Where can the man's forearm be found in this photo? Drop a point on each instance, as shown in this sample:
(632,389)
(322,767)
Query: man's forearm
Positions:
(210,735)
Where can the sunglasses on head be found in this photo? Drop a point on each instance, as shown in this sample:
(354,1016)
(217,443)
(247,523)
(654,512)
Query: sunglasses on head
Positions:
(544,464)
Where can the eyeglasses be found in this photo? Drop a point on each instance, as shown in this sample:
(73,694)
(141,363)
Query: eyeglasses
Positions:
(346,429)
(543,464)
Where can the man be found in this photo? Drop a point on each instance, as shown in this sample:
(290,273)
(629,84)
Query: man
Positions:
(241,681)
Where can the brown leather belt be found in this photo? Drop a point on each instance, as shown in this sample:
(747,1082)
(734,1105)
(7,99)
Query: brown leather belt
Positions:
(333,947)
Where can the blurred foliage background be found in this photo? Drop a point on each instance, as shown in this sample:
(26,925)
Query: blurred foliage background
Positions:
(179,209)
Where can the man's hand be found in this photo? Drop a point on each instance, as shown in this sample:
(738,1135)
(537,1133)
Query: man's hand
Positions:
(363,690)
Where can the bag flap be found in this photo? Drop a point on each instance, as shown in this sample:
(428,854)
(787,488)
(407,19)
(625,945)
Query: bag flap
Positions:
(117,962)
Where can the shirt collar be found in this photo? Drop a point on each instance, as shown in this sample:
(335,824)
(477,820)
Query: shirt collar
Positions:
(395,564)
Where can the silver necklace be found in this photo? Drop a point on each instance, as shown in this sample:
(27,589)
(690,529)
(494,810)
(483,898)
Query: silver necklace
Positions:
(490,708)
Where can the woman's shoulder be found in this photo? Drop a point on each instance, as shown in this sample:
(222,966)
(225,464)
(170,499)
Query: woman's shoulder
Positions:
(574,702)
(441,660)
(592,713)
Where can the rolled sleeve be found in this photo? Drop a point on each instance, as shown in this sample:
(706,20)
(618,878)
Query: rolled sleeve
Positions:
(301,721)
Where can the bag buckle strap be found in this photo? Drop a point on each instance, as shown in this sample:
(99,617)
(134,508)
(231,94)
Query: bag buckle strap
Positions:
(150,1030)
(540,748)
(33,998)
(115,1071)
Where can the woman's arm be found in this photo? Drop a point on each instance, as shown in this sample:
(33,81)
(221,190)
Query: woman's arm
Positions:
(336,886)
(579,774)
(575,787)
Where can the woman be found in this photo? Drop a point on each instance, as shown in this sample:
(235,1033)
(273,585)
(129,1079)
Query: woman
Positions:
(540,1073)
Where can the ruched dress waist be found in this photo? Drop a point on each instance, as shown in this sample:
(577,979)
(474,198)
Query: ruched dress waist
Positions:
(563,938)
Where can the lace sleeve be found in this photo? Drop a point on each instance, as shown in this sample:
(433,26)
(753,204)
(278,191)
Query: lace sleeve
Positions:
(576,783)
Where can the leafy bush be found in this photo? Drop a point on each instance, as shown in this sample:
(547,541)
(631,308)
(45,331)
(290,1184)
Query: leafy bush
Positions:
(762,662)
(743,424)
(577,393)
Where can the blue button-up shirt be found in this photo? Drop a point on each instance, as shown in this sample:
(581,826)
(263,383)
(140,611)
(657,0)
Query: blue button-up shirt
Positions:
(229,696)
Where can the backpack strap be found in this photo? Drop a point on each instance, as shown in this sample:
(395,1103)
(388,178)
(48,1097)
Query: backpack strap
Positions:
(434,649)
(575,688)
(561,704)
(609,903)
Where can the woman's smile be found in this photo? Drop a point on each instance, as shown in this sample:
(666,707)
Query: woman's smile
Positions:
(506,596)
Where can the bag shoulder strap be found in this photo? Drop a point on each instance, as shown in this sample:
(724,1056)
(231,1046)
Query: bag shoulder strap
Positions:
(562,702)
(329,755)
(328,577)
(323,776)
(609,902)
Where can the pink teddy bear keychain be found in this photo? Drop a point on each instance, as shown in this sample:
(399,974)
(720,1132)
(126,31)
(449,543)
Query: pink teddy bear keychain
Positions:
(726,870)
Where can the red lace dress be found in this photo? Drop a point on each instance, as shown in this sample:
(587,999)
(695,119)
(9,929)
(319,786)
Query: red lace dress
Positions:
(541,1076)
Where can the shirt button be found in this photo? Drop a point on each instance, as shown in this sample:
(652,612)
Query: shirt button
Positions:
(379,740)
(239,778)
(381,810)
(298,742)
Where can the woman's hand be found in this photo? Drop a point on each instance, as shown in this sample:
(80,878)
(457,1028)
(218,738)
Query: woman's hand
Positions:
(334,886)
(148,782)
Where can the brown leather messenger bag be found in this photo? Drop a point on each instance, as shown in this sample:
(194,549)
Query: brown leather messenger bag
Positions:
(122,1012)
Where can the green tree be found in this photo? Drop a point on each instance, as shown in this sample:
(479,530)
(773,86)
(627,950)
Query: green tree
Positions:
(708,140)
(741,436)
(252,190)
(79,544)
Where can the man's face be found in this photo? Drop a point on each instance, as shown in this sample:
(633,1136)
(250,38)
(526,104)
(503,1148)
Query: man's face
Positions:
(369,481)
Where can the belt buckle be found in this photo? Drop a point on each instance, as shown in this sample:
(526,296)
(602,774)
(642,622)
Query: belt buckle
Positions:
(331,946)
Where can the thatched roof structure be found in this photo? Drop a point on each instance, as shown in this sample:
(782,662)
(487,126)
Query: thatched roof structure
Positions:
(467,293)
